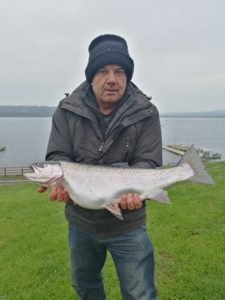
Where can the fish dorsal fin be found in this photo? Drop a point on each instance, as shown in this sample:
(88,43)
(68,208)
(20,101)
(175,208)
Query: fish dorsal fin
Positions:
(157,195)
(114,209)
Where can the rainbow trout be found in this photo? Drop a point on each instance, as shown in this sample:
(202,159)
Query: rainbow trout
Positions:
(98,187)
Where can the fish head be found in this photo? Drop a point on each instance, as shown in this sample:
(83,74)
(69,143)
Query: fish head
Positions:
(45,173)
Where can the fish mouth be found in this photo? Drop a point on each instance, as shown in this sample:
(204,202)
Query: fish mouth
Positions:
(45,173)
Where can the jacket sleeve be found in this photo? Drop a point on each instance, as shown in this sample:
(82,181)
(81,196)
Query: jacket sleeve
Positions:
(60,145)
(148,150)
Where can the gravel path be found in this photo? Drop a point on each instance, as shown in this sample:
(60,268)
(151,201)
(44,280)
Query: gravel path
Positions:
(10,181)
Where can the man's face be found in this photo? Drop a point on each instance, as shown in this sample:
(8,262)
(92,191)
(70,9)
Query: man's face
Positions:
(109,84)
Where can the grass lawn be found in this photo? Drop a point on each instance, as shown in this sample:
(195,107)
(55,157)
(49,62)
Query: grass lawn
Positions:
(188,236)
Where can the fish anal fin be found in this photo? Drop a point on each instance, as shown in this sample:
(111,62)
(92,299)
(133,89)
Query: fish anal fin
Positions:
(157,195)
(114,209)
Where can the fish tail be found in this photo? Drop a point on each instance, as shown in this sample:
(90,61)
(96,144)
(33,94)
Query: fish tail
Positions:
(200,174)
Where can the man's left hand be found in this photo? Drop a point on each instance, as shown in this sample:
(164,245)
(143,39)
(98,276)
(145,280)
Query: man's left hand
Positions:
(130,201)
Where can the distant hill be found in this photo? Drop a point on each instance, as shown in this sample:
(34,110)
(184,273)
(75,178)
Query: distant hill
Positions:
(205,114)
(47,111)
(26,111)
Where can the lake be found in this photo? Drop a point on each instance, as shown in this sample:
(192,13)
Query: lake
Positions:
(26,138)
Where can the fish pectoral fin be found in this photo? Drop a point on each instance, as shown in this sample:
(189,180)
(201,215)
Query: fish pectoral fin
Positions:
(114,209)
(157,195)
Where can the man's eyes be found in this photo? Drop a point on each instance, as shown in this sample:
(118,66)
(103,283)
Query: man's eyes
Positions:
(103,71)
(120,71)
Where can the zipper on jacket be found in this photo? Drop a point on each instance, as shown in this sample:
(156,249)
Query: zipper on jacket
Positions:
(101,147)
(127,148)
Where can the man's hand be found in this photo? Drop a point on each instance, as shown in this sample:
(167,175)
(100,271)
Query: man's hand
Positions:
(57,193)
(130,201)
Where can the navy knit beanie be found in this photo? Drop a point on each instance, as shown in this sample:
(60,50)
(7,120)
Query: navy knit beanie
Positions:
(108,49)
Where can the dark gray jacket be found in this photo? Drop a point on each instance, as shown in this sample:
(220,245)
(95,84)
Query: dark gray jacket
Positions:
(133,136)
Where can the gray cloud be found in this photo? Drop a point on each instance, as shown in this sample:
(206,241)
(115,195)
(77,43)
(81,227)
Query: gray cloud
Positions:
(178,48)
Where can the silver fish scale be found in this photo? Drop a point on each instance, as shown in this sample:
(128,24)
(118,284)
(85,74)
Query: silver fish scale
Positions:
(97,187)
(94,186)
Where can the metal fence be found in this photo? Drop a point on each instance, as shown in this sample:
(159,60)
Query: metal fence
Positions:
(14,171)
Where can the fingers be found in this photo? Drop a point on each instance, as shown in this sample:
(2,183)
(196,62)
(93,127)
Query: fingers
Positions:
(130,201)
(123,202)
(42,189)
(65,196)
(137,201)
(57,193)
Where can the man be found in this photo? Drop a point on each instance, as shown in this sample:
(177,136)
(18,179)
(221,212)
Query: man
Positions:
(107,120)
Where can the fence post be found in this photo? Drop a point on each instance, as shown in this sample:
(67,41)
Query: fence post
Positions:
(7,171)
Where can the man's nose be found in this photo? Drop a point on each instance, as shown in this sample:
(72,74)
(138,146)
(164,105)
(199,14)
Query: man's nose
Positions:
(111,78)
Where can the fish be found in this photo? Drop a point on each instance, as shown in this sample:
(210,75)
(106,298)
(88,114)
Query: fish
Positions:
(101,187)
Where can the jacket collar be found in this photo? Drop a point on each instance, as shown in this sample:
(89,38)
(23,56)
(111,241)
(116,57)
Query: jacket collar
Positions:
(133,107)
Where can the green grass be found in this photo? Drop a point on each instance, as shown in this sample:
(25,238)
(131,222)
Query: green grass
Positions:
(188,236)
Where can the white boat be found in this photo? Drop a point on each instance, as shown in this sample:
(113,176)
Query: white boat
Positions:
(209,154)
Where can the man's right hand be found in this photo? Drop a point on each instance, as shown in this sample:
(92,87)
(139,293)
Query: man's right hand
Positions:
(57,193)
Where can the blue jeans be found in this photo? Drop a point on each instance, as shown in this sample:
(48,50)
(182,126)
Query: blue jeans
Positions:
(132,254)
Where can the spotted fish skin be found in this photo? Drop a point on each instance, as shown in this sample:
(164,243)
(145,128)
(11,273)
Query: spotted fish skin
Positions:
(98,187)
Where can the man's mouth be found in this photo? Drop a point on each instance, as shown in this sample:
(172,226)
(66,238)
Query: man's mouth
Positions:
(111,91)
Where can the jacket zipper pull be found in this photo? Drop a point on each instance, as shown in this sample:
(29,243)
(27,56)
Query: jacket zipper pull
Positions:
(127,147)
(100,147)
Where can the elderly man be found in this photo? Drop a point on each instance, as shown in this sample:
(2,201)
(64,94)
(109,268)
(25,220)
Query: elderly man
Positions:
(107,120)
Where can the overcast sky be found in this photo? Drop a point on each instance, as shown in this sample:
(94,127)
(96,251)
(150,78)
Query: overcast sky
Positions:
(178,47)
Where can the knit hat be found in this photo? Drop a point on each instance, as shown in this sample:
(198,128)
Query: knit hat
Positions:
(108,49)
